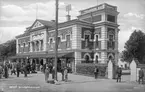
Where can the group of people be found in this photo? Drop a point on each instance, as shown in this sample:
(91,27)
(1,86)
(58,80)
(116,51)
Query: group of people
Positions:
(140,75)
(16,68)
(48,69)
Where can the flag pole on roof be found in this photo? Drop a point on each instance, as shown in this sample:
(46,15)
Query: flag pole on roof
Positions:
(68,9)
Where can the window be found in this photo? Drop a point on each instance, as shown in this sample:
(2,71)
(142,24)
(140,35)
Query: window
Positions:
(28,46)
(111,37)
(110,18)
(67,41)
(41,45)
(96,60)
(87,40)
(111,42)
(51,43)
(37,46)
(24,47)
(19,46)
(59,42)
(87,59)
(96,41)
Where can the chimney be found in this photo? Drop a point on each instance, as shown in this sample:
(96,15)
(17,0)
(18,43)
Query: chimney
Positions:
(68,17)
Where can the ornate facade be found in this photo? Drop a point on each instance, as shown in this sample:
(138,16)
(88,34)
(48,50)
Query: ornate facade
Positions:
(91,38)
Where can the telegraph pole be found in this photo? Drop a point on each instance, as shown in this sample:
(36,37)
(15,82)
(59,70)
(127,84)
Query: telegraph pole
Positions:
(56,40)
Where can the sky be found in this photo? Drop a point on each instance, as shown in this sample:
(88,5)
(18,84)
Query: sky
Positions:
(16,15)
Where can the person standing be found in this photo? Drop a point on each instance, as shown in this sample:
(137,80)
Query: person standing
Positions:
(53,72)
(25,70)
(96,71)
(6,70)
(119,74)
(141,76)
(47,71)
(13,69)
(1,71)
(62,70)
(18,68)
(66,73)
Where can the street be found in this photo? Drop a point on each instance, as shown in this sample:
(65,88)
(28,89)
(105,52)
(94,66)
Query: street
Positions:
(76,83)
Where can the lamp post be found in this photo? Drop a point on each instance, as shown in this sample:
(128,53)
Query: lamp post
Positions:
(56,40)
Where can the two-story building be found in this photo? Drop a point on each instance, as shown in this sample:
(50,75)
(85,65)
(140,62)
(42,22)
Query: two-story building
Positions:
(91,38)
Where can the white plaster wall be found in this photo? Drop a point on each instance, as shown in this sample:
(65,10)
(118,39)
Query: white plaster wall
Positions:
(110,70)
(133,69)
(76,37)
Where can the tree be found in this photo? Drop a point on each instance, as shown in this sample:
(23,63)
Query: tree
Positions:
(8,49)
(135,47)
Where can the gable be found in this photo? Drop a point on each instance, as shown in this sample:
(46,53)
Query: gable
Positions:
(37,24)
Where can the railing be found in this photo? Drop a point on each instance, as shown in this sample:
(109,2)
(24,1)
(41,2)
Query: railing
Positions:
(99,7)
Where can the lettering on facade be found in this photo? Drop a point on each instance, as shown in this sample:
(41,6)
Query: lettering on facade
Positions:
(38,36)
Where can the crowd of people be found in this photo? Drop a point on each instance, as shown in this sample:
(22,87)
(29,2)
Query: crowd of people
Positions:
(26,68)
(17,68)
(48,69)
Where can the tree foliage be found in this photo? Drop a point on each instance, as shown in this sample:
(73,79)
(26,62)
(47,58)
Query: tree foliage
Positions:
(135,47)
(8,49)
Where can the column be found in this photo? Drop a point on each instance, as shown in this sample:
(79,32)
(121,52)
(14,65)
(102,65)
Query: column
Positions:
(31,47)
(104,37)
(104,57)
(77,58)
(76,37)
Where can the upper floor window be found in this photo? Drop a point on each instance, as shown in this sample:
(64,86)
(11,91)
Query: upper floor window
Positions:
(19,46)
(111,37)
(110,18)
(67,41)
(97,41)
(87,37)
(28,46)
(42,45)
(96,59)
(59,42)
(24,47)
(51,43)
(37,45)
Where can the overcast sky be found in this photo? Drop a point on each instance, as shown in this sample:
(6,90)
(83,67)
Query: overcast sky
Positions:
(16,15)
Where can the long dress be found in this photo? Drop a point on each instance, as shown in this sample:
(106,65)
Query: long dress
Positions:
(47,70)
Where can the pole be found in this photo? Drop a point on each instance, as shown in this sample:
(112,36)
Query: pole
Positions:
(56,39)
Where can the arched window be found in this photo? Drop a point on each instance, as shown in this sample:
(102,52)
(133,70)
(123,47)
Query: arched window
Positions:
(87,58)
(96,60)
(87,38)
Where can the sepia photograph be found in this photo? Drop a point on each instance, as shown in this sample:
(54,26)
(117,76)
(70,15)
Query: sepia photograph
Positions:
(72,45)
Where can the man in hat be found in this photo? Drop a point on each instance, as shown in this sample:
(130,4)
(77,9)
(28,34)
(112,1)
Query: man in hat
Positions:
(141,76)
(96,72)
(119,74)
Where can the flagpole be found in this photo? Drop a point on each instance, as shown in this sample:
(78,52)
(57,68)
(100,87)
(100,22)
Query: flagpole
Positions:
(56,40)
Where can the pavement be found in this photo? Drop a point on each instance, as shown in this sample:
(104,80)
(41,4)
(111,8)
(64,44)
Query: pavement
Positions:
(76,83)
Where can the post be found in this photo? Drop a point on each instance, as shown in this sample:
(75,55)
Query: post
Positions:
(56,40)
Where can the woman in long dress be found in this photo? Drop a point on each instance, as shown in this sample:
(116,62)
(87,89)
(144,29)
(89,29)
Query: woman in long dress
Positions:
(47,71)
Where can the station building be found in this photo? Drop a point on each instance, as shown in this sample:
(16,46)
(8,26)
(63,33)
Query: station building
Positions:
(91,38)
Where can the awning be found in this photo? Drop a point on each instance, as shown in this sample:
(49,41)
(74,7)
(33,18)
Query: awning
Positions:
(52,55)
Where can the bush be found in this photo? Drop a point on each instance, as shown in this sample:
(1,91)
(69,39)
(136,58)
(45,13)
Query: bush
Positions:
(88,69)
